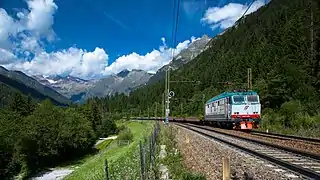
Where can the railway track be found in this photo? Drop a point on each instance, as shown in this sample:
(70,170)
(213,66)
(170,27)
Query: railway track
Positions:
(285,137)
(305,164)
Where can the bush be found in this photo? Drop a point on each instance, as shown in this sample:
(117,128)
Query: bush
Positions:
(46,137)
(107,128)
(125,135)
(291,119)
(190,176)
(121,127)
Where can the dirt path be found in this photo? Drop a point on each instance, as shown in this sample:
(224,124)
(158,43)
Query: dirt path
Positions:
(55,174)
(60,173)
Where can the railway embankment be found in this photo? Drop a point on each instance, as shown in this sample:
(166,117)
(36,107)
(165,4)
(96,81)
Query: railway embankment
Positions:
(302,145)
(203,155)
(173,158)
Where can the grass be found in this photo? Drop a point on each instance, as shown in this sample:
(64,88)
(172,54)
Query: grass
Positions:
(174,159)
(123,161)
(104,144)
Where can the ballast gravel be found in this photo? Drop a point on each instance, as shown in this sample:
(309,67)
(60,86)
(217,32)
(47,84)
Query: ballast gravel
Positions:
(311,147)
(203,155)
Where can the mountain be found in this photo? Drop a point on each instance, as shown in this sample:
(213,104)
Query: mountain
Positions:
(79,90)
(185,56)
(123,82)
(18,81)
(67,86)
(123,73)
(274,42)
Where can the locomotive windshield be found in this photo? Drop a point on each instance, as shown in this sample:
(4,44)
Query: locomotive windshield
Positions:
(238,99)
(252,99)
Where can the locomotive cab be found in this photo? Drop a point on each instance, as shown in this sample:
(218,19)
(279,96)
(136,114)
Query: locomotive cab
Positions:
(245,111)
(237,109)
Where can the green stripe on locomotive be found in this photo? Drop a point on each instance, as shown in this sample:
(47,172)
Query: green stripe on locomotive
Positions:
(229,94)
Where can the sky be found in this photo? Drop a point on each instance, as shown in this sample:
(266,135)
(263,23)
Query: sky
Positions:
(95,38)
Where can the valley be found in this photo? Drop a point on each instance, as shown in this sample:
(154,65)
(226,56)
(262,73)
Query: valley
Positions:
(53,112)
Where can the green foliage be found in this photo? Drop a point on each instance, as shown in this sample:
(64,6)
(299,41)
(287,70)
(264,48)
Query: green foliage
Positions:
(16,81)
(274,41)
(121,127)
(125,135)
(123,161)
(103,124)
(9,133)
(104,144)
(191,176)
(33,139)
(107,128)
(291,119)
(174,159)
(22,105)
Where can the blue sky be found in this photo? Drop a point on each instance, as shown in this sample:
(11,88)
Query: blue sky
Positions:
(91,39)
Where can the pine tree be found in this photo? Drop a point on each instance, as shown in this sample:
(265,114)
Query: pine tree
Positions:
(19,105)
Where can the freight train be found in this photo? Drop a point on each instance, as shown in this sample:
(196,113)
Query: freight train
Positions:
(238,109)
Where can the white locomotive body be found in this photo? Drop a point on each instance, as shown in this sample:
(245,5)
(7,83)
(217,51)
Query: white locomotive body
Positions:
(240,110)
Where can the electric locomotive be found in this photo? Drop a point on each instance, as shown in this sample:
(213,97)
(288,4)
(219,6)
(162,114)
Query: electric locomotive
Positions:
(236,109)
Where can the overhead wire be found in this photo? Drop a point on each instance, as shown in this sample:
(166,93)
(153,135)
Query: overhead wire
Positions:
(176,8)
(176,12)
(174,37)
(246,10)
(175,23)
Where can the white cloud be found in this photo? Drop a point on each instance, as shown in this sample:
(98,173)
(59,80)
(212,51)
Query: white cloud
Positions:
(30,44)
(73,61)
(23,40)
(8,27)
(150,62)
(40,18)
(37,21)
(227,15)
(6,56)
(28,32)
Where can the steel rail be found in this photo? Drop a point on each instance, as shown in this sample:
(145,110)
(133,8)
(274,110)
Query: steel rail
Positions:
(306,172)
(292,150)
(286,136)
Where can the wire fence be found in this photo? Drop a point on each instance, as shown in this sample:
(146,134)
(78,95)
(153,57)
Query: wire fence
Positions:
(137,164)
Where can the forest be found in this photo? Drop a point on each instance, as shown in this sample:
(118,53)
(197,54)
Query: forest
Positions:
(279,42)
(35,135)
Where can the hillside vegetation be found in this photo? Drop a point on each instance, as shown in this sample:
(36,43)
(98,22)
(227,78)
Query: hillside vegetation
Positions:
(275,42)
(16,81)
(36,136)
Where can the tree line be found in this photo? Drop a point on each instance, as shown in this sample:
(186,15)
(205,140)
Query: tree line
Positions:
(279,42)
(35,135)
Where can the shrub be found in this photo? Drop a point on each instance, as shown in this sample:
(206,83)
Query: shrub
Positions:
(190,176)
(121,127)
(107,128)
(125,135)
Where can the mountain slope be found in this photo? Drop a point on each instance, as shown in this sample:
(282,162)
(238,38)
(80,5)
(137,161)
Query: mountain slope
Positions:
(18,81)
(119,83)
(67,86)
(78,90)
(123,82)
(274,41)
(185,56)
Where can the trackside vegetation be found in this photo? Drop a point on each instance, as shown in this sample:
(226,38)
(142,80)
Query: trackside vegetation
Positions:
(281,46)
(174,159)
(123,161)
(35,136)
(291,119)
